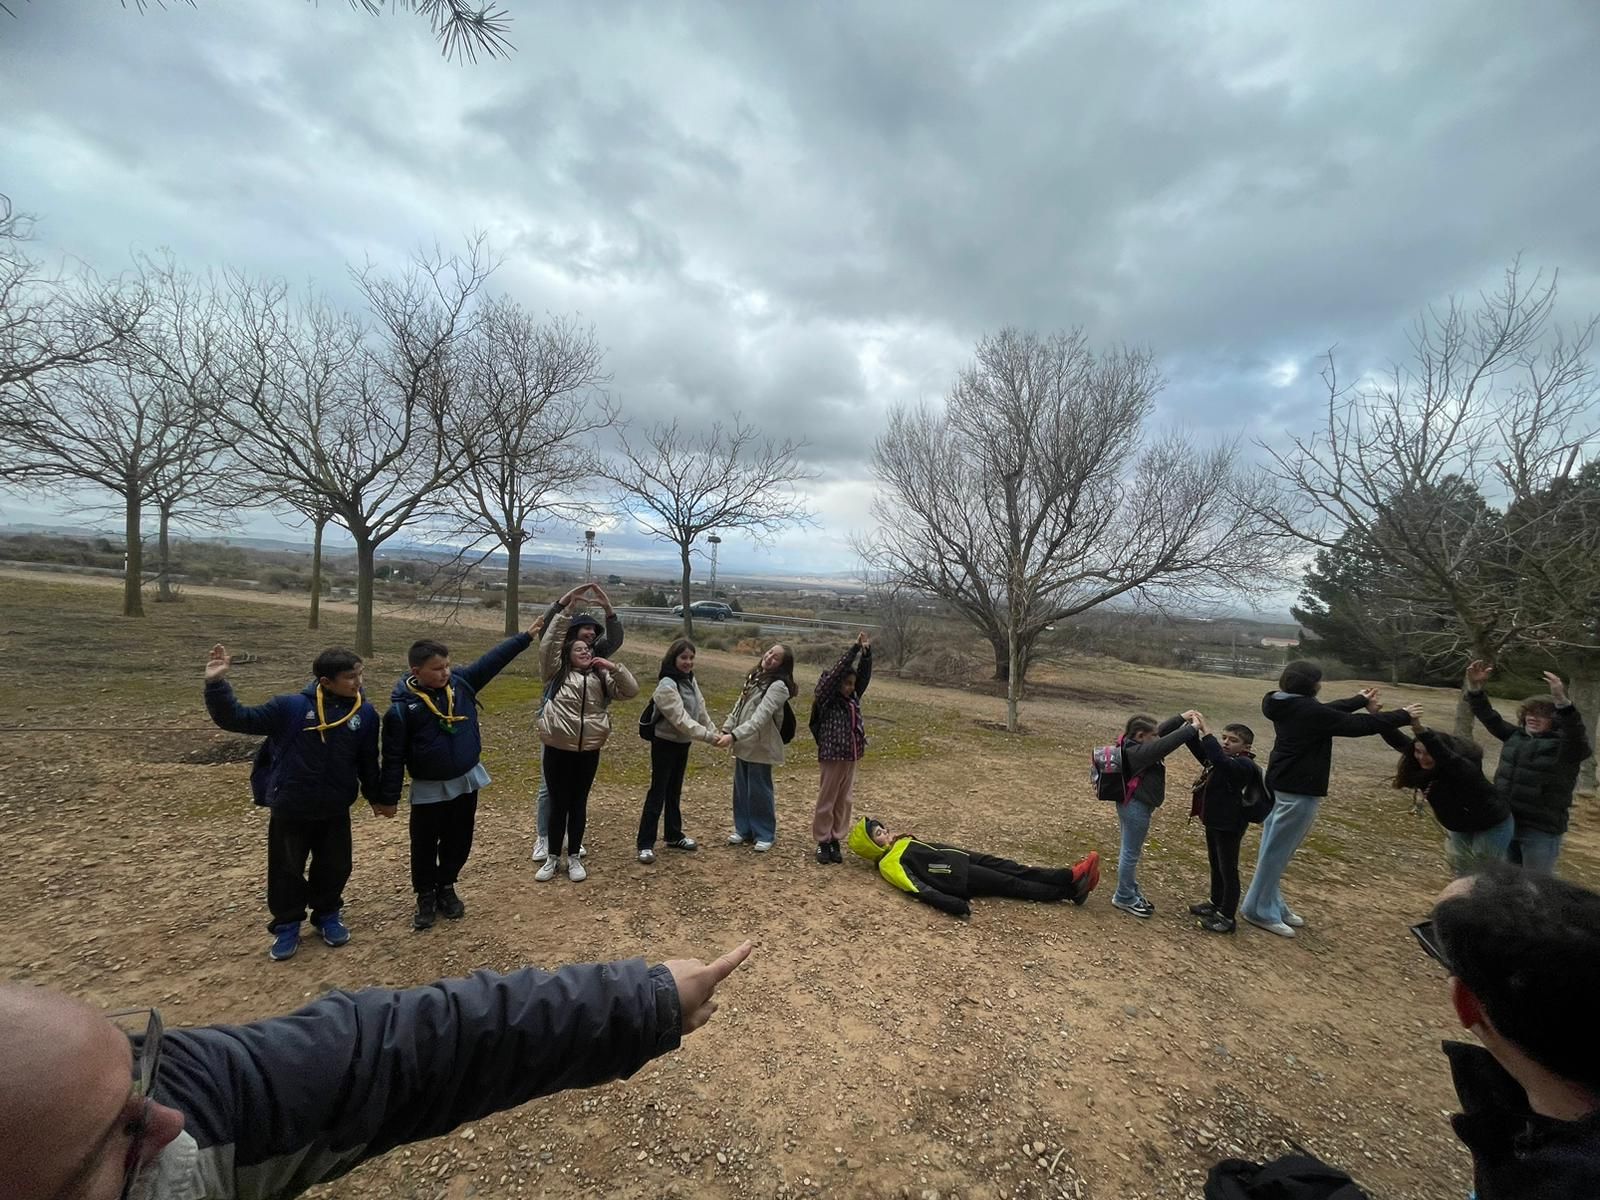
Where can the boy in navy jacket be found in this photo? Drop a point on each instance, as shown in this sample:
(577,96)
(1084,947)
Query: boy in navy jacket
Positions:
(431,732)
(321,748)
(1220,801)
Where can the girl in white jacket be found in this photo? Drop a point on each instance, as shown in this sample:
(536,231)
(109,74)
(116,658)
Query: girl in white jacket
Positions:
(681,718)
(755,724)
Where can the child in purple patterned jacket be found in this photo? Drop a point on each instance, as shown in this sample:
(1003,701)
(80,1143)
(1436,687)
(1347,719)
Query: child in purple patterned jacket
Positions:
(841,741)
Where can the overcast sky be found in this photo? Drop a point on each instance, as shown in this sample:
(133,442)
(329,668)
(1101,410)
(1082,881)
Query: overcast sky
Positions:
(809,212)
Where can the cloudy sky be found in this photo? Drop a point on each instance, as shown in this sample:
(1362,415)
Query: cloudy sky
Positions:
(807,213)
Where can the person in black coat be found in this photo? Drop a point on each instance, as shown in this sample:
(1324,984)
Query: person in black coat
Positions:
(1145,745)
(1538,769)
(1297,772)
(1448,772)
(1523,952)
(1219,802)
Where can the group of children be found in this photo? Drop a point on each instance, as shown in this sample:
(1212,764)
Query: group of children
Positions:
(323,746)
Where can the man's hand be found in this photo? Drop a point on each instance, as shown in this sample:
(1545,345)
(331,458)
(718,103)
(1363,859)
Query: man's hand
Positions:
(724,740)
(600,598)
(697,983)
(1193,716)
(217,665)
(537,628)
(1558,690)
(383,810)
(1478,673)
(1414,712)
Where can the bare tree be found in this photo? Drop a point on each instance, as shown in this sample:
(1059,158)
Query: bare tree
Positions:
(1035,494)
(903,626)
(528,404)
(324,406)
(196,487)
(678,487)
(465,30)
(1493,409)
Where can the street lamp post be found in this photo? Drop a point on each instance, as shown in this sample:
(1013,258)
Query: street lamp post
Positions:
(590,548)
(715,542)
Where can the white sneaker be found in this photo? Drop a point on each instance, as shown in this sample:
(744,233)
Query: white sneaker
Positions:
(735,840)
(547,872)
(1293,919)
(583,852)
(541,849)
(1277,927)
(763,847)
(647,856)
(575,871)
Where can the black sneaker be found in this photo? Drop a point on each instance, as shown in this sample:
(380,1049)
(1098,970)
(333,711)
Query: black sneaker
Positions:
(834,853)
(824,855)
(1204,909)
(450,905)
(1138,906)
(1217,923)
(427,910)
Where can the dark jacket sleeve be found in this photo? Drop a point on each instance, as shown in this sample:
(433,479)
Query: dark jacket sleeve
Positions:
(1497,725)
(228,713)
(367,766)
(395,736)
(479,674)
(864,671)
(1349,704)
(1137,756)
(1575,745)
(1397,738)
(956,906)
(283,1104)
(1336,722)
(611,642)
(828,685)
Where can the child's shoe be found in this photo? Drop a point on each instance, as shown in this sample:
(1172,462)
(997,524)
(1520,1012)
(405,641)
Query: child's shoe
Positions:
(1085,876)
(451,906)
(824,855)
(1204,909)
(684,843)
(834,853)
(547,871)
(763,847)
(1217,923)
(333,930)
(541,849)
(575,871)
(285,941)
(427,910)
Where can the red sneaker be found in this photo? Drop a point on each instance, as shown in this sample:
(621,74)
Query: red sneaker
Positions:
(1085,876)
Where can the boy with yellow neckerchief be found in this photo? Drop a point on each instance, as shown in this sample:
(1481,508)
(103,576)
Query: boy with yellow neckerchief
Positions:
(431,732)
(322,745)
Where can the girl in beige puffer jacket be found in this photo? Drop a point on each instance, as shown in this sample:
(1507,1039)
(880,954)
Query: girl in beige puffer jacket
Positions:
(574,723)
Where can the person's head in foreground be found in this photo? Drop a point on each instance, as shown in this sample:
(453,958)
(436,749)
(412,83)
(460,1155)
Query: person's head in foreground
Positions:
(1523,952)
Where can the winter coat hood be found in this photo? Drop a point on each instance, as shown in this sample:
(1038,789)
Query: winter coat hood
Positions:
(861,843)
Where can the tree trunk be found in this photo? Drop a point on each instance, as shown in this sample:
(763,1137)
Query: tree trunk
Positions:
(164,575)
(1002,658)
(316,574)
(133,573)
(513,586)
(365,552)
(1013,679)
(1585,691)
(688,616)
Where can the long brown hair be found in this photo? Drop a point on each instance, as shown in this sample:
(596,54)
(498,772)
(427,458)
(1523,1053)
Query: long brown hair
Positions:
(783,674)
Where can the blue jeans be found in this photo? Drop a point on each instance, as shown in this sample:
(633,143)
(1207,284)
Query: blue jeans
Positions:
(1471,852)
(1133,818)
(1282,832)
(542,822)
(755,804)
(1535,850)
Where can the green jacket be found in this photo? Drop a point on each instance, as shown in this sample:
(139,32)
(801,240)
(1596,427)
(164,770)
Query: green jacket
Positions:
(934,874)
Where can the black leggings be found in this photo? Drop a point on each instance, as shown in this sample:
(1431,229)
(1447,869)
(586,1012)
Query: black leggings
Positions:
(667,763)
(570,774)
(1222,846)
(991,876)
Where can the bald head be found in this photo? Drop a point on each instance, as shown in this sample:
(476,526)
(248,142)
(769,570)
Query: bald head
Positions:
(65,1075)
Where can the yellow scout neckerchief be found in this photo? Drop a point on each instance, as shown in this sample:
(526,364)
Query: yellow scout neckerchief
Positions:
(448,718)
(323,725)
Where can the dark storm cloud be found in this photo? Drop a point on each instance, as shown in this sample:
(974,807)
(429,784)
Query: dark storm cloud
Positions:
(807,213)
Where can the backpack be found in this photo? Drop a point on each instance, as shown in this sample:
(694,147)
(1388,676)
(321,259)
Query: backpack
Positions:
(786,724)
(647,721)
(1258,799)
(1105,774)
(1293,1177)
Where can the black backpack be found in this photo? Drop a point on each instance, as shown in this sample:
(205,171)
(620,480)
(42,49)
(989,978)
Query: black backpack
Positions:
(647,721)
(1258,799)
(786,724)
(1293,1177)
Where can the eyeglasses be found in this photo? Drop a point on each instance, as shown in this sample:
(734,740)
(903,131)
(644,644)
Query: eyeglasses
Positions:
(1428,939)
(144,1029)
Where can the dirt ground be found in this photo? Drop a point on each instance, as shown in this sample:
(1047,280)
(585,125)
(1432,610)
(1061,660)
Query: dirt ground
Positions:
(872,1046)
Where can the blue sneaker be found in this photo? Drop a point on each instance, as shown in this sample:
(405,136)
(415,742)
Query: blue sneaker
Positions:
(285,942)
(334,931)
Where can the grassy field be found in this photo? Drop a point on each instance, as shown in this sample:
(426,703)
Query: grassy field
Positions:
(872,1046)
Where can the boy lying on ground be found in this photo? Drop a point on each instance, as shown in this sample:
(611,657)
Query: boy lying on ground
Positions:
(947,876)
